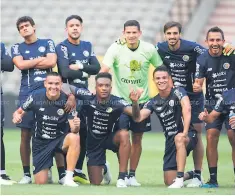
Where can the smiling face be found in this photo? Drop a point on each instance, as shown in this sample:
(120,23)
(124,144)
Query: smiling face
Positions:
(161,80)
(74,29)
(132,34)
(215,43)
(53,85)
(172,36)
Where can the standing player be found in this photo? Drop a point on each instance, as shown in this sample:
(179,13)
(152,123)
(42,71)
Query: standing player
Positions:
(102,112)
(35,58)
(76,61)
(51,129)
(130,63)
(172,106)
(6,65)
(219,71)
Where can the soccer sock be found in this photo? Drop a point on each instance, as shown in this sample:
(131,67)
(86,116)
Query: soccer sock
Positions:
(3,172)
(82,154)
(105,169)
(69,175)
(131,173)
(27,171)
(122,175)
(2,151)
(190,174)
(213,174)
(180,174)
(61,172)
(197,174)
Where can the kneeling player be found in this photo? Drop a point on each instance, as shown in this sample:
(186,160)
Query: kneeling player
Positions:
(102,112)
(51,131)
(172,106)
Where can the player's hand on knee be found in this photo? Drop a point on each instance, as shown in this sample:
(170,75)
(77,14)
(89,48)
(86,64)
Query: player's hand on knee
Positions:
(202,116)
(70,104)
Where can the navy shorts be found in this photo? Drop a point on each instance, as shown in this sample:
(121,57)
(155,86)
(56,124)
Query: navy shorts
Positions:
(28,120)
(96,148)
(126,122)
(197,104)
(169,159)
(43,152)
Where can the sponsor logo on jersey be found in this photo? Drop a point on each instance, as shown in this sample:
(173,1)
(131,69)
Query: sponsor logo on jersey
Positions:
(27,52)
(171,103)
(134,66)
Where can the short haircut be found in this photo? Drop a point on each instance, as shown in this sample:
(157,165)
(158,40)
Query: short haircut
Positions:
(215,30)
(53,73)
(162,68)
(171,24)
(73,17)
(103,75)
(24,19)
(132,23)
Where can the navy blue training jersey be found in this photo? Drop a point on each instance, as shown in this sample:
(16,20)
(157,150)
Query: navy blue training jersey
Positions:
(33,78)
(83,56)
(51,119)
(182,62)
(169,111)
(219,73)
(100,118)
(226,103)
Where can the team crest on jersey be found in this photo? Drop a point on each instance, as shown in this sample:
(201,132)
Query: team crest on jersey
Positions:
(171,103)
(60,112)
(109,109)
(185,58)
(85,53)
(41,49)
(226,65)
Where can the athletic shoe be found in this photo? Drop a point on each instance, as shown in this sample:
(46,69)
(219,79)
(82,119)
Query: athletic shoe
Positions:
(178,183)
(25,180)
(133,182)
(6,177)
(80,177)
(210,184)
(49,179)
(61,181)
(195,182)
(121,183)
(5,182)
(107,175)
(70,182)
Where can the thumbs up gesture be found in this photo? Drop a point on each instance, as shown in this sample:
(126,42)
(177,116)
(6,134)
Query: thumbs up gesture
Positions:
(76,123)
(197,87)
(203,115)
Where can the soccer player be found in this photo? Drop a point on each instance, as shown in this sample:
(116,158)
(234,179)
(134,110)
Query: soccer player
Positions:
(172,106)
(130,63)
(76,61)
(35,58)
(51,129)
(102,112)
(219,72)
(6,65)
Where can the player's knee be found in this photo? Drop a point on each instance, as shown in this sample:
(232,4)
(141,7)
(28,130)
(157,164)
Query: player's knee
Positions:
(96,182)
(167,182)
(137,138)
(179,140)
(25,136)
(212,136)
(231,137)
(124,136)
(40,180)
(74,139)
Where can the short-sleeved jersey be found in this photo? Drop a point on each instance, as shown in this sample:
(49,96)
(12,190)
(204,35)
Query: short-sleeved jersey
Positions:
(130,68)
(74,54)
(100,118)
(51,119)
(33,78)
(181,62)
(169,111)
(226,103)
(219,73)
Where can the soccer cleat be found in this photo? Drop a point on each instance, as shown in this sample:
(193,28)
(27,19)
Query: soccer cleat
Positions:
(61,181)
(133,182)
(6,177)
(178,183)
(70,182)
(5,182)
(195,182)
(25,180)
(121,183)
(107,175)
(50,180)
(210,184)
(127,181)
(81,178)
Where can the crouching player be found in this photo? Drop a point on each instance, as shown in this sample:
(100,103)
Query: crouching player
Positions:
(51,130)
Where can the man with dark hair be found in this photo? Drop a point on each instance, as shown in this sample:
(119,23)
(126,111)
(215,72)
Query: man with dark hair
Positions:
(130,62)
(172,106)
(6,65)
(102,112)
(76,62)
(219,72)
(35,58)
(51,130)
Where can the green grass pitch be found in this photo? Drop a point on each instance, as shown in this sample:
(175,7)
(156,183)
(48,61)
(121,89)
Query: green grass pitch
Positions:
(149,172)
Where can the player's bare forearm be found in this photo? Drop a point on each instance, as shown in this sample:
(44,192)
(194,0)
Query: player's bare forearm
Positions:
(26,64)
(136,112)
(47,62)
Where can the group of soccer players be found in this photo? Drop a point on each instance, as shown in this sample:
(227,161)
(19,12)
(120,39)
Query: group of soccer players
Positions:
(68,122)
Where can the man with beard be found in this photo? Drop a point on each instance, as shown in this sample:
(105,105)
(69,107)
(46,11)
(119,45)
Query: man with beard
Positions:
(219,72)
(76,61)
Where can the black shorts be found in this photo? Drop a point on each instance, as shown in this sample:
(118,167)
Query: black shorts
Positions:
(43,152)
(197,104)
(169,158)
(126,122)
